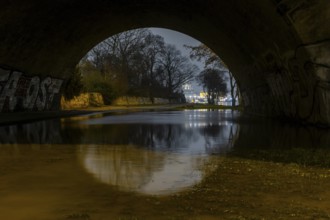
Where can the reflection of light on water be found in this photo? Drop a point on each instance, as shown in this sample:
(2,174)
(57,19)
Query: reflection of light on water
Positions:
(203,124)
(82,117)
(133,169)
(202,118)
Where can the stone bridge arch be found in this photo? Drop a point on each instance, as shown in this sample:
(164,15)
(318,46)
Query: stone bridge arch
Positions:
(278,50)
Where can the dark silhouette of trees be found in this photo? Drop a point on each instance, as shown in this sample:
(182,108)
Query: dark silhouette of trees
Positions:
(175,70)
(138,63)
(118,58)
(204,54)
(152,52)
(213,83)
(74,85)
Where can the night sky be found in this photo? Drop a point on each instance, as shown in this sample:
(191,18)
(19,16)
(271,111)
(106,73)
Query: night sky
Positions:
(179,39)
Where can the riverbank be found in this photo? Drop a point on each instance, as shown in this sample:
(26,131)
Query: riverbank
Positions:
(25,117)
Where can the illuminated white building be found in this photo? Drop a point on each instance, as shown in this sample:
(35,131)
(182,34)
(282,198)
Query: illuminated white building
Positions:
(191,96)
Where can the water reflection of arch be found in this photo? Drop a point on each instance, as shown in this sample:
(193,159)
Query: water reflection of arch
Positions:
(135,169)
(118,165)
(185,131)
(221,141)
(157,155)
(216,127)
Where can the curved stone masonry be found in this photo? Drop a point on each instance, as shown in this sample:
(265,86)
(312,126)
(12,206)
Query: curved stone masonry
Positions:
(278,50)
(298,88)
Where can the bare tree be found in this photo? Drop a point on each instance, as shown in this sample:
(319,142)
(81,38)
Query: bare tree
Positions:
(152,54)
(118,58)
(204,54)
(176,69)
(140,63)
(213,84)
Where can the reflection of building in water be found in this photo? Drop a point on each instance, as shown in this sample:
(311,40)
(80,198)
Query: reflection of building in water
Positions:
(218,132)
(136,169)
(174,131)
(223,142)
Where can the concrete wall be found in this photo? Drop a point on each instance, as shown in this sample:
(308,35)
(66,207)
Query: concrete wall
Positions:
(297,80)
(278,50)
(297,86)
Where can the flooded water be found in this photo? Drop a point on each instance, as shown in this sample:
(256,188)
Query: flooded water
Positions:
(192,164)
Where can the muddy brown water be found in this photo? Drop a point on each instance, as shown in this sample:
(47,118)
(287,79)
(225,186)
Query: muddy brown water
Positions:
(193,164)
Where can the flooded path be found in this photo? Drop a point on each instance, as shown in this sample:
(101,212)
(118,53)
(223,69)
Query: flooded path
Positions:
(164,165)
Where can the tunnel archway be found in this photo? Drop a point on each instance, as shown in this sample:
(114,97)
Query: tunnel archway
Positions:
(154,66)
(278,50)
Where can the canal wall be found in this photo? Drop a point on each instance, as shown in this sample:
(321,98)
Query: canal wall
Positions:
(84,100)
(94,99)
(128,100)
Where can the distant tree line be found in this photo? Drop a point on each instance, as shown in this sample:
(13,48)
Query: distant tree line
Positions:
(136,63)
(140,63)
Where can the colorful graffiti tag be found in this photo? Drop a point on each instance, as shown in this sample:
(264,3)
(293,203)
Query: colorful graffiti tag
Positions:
(19,92)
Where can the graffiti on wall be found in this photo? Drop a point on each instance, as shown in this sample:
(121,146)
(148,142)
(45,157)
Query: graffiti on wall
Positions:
(299,82)
(19,92)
